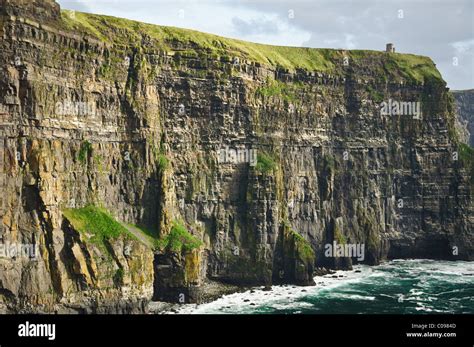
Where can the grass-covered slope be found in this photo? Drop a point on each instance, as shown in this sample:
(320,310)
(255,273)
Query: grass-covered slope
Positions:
(179,239)
(96,224)
(124,32)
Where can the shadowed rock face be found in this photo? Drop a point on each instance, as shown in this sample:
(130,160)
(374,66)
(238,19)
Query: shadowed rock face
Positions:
(43,10)
(141,123)
(465,110)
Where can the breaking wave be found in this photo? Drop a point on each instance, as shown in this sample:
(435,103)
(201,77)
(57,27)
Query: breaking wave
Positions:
(395,287)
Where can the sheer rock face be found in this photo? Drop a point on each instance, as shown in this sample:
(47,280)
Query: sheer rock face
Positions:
(43,10)
(465,106)
(331,167)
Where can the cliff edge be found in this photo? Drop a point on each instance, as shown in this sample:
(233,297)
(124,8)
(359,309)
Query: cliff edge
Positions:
(145,161)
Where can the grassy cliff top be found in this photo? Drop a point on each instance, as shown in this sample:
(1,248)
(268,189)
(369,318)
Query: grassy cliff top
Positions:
(463,91)
(126,32)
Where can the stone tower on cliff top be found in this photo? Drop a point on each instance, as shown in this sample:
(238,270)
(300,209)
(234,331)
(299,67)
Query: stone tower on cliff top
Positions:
(390,48)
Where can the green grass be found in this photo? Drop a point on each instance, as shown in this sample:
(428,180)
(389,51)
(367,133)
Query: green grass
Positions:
(302,248)
(286,91)
(150,234)
(162,162)
(329,163)
(375,94)
(85,152)
(413,67)
(128,34)
(119,276)
(466,155)
(265,163)
(179,239)
(96,224)
(338,235)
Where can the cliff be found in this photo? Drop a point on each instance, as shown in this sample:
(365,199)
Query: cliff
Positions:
(119,161)
(465,110)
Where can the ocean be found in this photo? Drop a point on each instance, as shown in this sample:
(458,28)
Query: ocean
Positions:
(395,287)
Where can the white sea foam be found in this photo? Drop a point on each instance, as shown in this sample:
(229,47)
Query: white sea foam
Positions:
(280,297)
(420,274)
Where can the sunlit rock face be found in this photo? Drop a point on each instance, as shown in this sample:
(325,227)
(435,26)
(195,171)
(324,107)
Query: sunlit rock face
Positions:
(238,163)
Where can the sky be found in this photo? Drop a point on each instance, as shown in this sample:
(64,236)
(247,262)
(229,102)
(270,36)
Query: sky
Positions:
(440,29)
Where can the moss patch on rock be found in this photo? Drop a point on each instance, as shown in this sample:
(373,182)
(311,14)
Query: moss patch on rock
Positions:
(96,224)
(265,163)
(297,246)
(285,91)
(179,239)
(84,152)
(466,155)
(338,235)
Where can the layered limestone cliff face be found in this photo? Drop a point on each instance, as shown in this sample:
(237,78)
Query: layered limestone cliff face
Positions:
(118,163)
(465,111)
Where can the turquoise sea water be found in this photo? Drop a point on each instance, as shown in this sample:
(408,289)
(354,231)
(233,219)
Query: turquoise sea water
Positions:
(397,287)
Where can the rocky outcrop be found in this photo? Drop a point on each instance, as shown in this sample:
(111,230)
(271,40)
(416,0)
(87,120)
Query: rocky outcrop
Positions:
(465,111)
(238,162)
